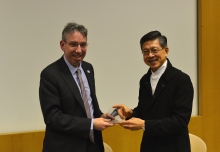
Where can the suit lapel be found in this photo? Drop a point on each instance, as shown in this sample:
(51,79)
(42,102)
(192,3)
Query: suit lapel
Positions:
(148,81)
(89,76)
(70,82)
(148,85)
(164,79)
(162,83)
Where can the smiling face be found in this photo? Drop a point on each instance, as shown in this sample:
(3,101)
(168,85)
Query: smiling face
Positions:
(74,48)
(156,55)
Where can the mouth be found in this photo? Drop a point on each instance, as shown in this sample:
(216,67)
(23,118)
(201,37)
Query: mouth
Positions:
(152,61)
(77,55)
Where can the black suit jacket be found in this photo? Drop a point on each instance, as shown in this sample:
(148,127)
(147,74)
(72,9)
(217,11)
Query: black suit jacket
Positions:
(167,112)
(67,125)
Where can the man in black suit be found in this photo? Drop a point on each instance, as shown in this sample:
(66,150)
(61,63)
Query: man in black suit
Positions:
(71,126)
(165,101)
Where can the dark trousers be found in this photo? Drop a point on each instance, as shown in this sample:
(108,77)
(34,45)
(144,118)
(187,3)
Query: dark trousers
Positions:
(93,147)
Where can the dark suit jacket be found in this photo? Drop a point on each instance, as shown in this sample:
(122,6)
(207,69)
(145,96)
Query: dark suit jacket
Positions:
(167,112)
(67,125)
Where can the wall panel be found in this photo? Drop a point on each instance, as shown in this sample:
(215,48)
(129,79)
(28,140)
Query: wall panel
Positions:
(208,58)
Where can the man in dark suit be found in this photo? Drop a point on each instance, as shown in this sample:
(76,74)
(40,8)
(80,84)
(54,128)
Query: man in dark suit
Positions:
(68,100)
(165,101)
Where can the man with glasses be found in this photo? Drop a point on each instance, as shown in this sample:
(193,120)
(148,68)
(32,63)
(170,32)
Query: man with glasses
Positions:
(68,100)
(165,101)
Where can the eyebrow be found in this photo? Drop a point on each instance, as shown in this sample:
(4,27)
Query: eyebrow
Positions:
(151,48)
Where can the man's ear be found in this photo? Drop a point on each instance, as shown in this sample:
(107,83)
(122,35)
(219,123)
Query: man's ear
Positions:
(166,50)
(62,43)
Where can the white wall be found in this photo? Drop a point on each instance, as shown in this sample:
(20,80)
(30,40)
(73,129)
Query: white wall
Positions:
(30,32)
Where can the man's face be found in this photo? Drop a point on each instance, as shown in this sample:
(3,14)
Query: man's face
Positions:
(153,54)
(74,48)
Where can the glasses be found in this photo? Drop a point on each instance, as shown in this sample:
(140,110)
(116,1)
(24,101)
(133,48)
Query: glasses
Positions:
(152,51)
(83,45)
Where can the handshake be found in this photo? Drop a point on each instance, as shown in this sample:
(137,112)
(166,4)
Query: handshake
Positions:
(122,115)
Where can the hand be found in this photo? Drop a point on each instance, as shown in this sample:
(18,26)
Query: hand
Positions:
(123,111)
(101,123)
(132,124)
(107,116)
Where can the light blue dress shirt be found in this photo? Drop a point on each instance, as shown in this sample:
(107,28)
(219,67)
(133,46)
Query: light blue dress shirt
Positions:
(86,84)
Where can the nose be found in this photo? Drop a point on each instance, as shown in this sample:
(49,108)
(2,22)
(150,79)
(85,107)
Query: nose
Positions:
(150,54)
(79,49)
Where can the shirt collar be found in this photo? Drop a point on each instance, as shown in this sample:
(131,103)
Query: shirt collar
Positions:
(160,70)
(71,67)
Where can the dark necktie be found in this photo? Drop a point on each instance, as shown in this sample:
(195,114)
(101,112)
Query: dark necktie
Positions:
(85,101)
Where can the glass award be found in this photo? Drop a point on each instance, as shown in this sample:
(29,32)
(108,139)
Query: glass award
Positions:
(113,115)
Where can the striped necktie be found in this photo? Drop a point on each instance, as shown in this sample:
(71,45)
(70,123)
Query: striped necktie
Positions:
(85,101)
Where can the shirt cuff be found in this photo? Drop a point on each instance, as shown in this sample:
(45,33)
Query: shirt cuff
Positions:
(91,127)
(143,127)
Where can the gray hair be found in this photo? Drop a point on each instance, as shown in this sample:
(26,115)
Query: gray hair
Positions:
(73,27)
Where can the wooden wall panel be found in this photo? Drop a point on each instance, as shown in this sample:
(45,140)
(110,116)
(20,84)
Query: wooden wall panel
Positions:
(195,125)
(208,57)
(122,140)
(22,142)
